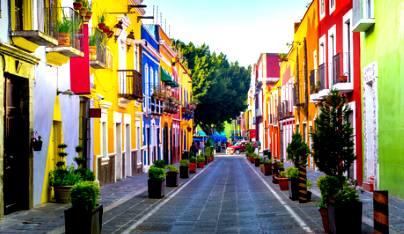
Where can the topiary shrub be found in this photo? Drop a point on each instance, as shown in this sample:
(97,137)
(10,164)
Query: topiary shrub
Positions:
(297,150)
(184,163)
(292,172)
(201,158)
(84,195)
(192,160)
(156,172)
(86,174)
(160,163)
(172,168)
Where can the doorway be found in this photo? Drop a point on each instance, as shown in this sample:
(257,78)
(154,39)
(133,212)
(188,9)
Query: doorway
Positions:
(128,150)
(165,144)
(16,149)
(118,145)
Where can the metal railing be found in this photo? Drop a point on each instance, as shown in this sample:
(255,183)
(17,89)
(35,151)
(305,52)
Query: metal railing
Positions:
(97,38)
(68,24)
(49,23)
(321,76)
(341,68)
(130,84)
(312,78)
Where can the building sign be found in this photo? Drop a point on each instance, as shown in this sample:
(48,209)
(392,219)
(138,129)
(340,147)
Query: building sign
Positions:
(252,133)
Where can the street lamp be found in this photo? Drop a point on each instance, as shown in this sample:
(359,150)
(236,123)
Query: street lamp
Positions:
(130,39)
(117,30)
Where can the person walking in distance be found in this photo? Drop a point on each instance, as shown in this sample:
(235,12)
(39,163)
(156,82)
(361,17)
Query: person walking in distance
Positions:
(194,148)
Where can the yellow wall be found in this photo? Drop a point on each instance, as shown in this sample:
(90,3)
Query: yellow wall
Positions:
(185,82)
(106,80)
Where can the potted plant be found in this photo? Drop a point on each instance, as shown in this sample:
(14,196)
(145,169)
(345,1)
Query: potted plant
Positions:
(333,153)
(92,45)
(257,160)
(77,4)
(262,168)
(297,152)
(106,29)
(85,215)
(268,166)
(201,160)
(283,180)
(84,7)
(157,175)
(64,26)
(251,157)
(184,169)
(343,79)
(324,213)
(62,180)
(81,162)
(36,144)
(172,176)
(192,164)
(89,11)
(317,87)
(102,18)
(293,174)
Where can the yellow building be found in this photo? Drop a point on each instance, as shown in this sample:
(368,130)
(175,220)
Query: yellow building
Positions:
(117,76)
(187,122)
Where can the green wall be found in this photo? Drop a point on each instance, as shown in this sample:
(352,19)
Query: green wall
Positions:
(384,43)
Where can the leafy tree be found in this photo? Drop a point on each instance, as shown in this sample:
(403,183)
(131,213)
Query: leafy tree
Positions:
(220,87)
(297,150)
(333,144)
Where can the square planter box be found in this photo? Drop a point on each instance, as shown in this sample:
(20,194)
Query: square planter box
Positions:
(345,217)
(257,162)
(192,167)
(294,189)
(267,169)
(184,172)
(172,179)
(156,188)
(84,221)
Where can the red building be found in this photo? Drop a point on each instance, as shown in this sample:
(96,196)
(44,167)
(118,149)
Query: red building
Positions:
(339,59)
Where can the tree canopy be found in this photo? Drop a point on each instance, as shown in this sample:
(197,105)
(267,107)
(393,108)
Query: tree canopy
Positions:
(221,87)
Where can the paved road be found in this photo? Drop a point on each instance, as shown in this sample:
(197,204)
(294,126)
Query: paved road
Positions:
(229,196)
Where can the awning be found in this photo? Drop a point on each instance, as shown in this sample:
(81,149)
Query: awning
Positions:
(165,76)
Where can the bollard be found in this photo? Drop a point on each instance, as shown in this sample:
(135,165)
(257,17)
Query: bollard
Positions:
(302,184)
(381,211)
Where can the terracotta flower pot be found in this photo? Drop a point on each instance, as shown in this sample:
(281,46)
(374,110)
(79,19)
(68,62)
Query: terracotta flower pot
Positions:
(262,170)
(64,39)
(343,79)
(77,5)
(268,169)
(62,193)
(192,167)
(201,164)
(105,30)
(83,11)
(324,218)
(88,15)
(101,26)
(93,52)
(110,34)
(283,183)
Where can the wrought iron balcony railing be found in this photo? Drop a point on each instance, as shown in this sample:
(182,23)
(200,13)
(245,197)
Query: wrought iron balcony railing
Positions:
(98,49)
(341,68)
(321,76)
(130,84)
(296,94)
(312,81)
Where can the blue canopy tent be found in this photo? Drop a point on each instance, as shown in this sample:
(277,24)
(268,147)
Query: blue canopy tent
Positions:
(217,137)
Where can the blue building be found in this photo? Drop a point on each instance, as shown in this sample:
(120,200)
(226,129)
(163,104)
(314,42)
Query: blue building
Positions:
(152,108)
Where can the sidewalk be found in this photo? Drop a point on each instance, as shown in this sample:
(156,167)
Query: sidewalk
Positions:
(396,205)
(49,217)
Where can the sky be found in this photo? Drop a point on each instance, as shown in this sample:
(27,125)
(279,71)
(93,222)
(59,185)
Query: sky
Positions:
(240,29)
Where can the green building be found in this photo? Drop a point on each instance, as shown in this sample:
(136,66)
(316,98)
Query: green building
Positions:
(381,24)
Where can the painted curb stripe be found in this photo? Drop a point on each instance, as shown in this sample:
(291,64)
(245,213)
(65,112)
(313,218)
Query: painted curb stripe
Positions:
(287,207)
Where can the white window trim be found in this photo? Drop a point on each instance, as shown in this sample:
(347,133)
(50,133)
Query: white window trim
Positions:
(319,7)
(322,56)
(332,9)
(353,108)
(348,18)
(331,34)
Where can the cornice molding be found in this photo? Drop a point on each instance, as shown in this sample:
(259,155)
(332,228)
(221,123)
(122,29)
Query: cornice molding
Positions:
(140,11)
(166,48)
(152,51)
(104,105)
(17,53)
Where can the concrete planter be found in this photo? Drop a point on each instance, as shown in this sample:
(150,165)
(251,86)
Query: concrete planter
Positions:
(156,188)
(172,179)
(345,217)
(184,172)
(84,221)
(294,189)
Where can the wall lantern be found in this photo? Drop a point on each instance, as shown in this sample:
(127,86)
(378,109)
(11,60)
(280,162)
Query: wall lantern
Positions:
(130,39)
(118,29)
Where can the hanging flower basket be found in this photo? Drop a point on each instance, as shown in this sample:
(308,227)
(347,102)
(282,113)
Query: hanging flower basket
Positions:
(189,129)
(36,144)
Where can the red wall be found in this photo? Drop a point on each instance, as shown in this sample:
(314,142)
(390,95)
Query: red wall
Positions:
(80,68)
(272,66)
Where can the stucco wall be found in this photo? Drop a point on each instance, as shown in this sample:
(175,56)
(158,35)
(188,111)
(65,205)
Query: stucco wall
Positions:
(383,43)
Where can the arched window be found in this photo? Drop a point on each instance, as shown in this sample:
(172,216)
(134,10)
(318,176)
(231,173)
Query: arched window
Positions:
(146,84)
(157,79)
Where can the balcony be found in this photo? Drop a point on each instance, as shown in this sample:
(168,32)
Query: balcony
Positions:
(70,33)
(313,80)
(284,111)
(130,84)
(98,49)
(362,15)
(47,33)
(315,86)
(156,107)
(171,107)
(341,74)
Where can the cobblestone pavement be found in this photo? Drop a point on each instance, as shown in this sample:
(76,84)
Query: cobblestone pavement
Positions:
(230,195)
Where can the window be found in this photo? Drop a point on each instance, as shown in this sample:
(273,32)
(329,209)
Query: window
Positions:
(104,139)
(332,6)
(146,84)
(152,83)
(157,80)
(305,132)
(136,50)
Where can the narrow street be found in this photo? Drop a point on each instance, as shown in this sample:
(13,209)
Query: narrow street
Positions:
(228,196)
